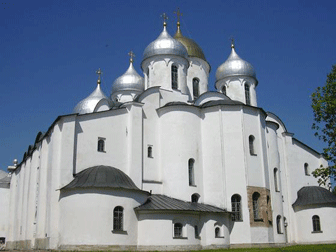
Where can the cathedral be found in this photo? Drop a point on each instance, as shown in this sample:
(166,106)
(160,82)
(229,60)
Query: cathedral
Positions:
(162,163)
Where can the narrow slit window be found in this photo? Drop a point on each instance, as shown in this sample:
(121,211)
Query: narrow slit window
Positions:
(251,145)
(195,87)
(224,90)
(217,232)
(247,94)
(191,171)
(150,151)
(278,221)
(306,169)
(101,145)
(174,77)
(276,179)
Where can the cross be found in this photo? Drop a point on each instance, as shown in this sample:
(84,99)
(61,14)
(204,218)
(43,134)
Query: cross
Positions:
(132,55)
(99,72)
(165,17)
(232,42)
(178,14)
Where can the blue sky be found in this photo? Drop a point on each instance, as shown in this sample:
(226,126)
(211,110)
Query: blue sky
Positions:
(50,50)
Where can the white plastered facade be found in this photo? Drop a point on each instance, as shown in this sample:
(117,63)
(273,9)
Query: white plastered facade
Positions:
(234,147)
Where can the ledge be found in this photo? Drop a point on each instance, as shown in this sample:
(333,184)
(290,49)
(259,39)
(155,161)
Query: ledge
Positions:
(119,232)
(181,238)
(317,232)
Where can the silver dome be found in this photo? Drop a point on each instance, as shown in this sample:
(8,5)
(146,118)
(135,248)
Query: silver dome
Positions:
(130,80)
(235,66)
(88,104)
(165,44)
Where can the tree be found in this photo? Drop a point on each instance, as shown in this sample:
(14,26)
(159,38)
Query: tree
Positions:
(324,108)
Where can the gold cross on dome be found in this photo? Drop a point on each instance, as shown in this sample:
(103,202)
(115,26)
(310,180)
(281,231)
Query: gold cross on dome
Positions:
(164,17)
(99,72)
(178,14)
(132,55)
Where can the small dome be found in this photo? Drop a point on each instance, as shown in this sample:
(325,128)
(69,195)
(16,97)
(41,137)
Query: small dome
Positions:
(193,49)
(88,104)
(101,177)
(235,66)
(314,195)
(165,44)
(130,80)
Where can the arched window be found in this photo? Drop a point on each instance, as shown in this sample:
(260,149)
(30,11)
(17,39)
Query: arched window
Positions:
(150,151)
(195,197)
(316,223)
(224,90)
(195,87)
(276,180)
(118,218)
(255,203)
(306,169)
(191,171)
(251,145)
(217,232)
(236,207)
(178,230)
(101,145)
(278,222)
(174,77)
(247,94)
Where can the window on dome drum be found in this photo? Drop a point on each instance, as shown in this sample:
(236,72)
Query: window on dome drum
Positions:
(316,224)
(306,169)
(236,207)
(276,180)
(174,77)
(255,203)
(224,90)
(2,240)
(195,87)
(251,145)
(118,218)
(247,94)
(101,145)
(196,232)
(150,151)
(191,171)
(217,232)
(195,197)
(278,222)
(178,230)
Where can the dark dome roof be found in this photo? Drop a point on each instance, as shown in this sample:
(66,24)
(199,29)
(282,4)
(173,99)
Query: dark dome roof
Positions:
(102,177)
(314,195)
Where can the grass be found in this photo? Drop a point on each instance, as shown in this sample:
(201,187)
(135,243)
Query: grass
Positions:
(296,248)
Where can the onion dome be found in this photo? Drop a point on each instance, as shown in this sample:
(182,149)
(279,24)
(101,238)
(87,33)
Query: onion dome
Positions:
(88,104)
(130,80)
(193,49)
(102,177)
(235,66)
(165,44)
(314,196)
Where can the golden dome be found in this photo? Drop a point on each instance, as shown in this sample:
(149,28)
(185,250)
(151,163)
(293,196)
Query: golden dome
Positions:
(193,49)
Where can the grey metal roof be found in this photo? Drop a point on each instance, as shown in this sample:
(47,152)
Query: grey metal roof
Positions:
(314,195)
(158,202)
(101,177)
(221,102)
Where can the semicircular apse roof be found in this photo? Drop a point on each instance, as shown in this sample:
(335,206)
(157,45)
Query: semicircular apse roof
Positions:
(101,177)
(314,195)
